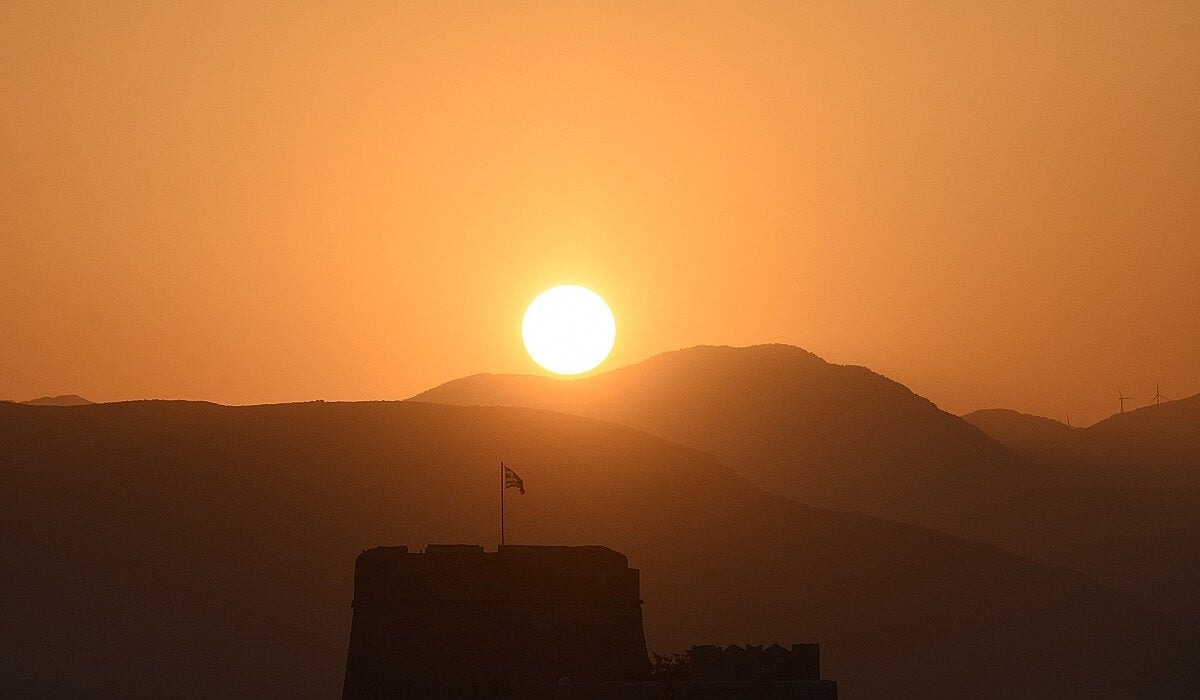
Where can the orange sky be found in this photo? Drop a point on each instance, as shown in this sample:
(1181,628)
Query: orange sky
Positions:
(998,205)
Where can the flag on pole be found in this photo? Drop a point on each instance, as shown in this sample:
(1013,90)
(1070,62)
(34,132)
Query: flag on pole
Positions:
(511,480)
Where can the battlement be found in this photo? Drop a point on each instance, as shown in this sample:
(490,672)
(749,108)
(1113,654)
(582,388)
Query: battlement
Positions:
(514,575)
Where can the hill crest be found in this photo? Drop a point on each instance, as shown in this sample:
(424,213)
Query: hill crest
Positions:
(199,530)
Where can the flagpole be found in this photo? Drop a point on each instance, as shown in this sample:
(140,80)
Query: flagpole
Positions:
(502,502)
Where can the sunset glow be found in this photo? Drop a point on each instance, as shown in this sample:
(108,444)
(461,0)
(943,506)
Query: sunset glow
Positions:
(309,385)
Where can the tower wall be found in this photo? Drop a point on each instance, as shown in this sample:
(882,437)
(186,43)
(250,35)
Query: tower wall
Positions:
(455,621)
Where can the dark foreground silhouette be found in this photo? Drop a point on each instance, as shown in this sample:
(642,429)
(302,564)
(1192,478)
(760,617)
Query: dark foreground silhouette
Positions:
(175,549)
(454,621)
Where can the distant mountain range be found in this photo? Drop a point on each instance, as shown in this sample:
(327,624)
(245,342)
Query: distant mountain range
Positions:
(180,549)
(1016,429)
(1160,442)
(833,436)
(63,400)
(1156,448)
(845,438)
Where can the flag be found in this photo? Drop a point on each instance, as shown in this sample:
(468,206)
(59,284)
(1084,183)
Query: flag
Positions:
(511,480)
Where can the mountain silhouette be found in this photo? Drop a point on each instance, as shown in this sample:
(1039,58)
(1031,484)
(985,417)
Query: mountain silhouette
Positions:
(63,400)
(1159,443)
(181,549)
(1155,443)
(1014,429)
(841,437)
(1151,450)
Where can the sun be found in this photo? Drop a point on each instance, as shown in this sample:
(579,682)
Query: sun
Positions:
(568,329)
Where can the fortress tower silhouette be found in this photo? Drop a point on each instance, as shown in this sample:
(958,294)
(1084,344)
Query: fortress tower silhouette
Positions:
(525,621)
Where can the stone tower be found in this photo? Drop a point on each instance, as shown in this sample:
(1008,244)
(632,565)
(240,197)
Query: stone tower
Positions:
(456,621)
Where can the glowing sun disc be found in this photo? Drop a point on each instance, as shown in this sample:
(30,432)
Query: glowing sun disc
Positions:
(568,329)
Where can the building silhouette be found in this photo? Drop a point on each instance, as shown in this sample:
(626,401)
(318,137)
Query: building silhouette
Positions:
(525,621)
(755,672)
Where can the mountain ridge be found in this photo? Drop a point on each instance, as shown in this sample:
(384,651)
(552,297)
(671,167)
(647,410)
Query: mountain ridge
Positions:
(192,549)
(835,436)
(1152,448)
(61,400)
(1009,427)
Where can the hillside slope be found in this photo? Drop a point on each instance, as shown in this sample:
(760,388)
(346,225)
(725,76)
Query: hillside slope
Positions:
(172,549)
(839,437)
(1156,450)
(1012,428)
(1156,443)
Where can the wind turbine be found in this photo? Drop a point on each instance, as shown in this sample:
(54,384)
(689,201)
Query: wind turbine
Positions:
(1158,395)
(1123,398)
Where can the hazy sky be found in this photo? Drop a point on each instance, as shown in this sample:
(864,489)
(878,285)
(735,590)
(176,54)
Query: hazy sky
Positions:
(997,204)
